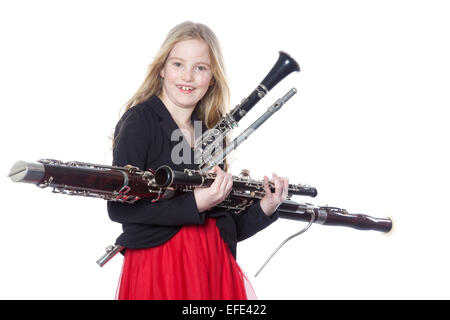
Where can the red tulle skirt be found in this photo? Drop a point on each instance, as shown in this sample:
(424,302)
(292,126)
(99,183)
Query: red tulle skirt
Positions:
(195,264)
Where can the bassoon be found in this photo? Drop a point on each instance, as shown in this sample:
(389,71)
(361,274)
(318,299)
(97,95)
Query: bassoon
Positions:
(130,184)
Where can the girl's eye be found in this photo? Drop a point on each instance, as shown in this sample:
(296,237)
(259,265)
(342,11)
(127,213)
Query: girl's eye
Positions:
(201,68)
(177,64)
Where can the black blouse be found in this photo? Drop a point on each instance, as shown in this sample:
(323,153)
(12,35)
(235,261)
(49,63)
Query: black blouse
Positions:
(143,139)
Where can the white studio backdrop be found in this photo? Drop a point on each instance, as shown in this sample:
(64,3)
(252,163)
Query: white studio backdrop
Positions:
(368,128)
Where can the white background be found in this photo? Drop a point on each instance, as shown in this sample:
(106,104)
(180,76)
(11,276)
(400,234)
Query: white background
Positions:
(368,128)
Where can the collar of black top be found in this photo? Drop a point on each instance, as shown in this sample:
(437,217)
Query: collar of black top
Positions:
(167,122)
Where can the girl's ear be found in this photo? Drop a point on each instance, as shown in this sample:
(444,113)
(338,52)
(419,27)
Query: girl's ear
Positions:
(161,73)
(212,82)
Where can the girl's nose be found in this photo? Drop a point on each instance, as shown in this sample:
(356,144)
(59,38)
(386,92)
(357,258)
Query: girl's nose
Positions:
(188,74)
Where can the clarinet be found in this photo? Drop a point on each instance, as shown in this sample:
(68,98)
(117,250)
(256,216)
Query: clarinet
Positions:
(213,138)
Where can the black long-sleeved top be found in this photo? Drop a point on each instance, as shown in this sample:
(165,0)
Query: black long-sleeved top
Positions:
(143,139)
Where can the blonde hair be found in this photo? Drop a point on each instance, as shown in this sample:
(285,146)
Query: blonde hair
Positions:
(215,103)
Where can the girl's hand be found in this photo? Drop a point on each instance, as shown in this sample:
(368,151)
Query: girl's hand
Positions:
(208,197)
(271,201)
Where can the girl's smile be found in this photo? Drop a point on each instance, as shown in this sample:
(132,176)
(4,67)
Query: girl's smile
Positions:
(186,89)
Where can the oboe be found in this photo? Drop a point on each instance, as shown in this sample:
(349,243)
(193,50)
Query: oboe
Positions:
(186,180)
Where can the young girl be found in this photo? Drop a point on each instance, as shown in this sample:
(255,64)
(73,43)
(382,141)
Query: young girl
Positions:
(182,248)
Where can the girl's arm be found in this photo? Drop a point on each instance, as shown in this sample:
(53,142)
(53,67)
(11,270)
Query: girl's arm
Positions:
(252,220)
(263,213)
(133,140)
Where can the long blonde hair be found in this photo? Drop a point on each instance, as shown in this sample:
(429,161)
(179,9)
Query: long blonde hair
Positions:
(215,102)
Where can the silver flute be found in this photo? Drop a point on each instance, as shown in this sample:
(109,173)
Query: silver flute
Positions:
(217,158)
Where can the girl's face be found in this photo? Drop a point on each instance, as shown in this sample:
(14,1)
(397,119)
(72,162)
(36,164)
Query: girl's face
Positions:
(186,74)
